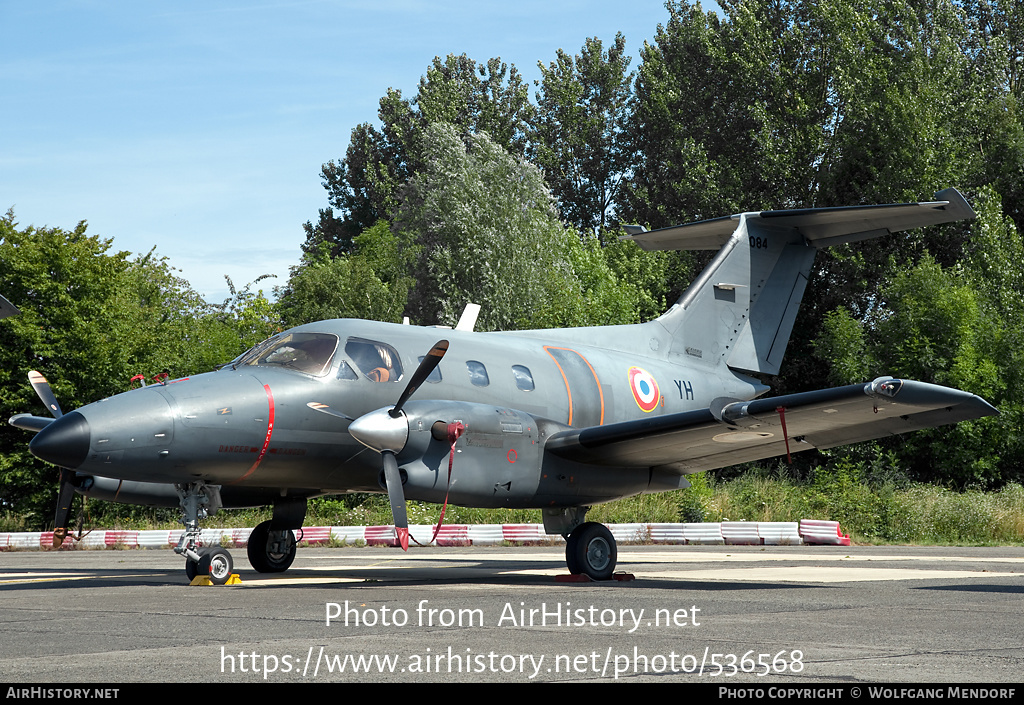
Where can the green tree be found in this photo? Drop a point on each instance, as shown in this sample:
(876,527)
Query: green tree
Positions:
(932,325)
(249,316)
(728,114)
(370,282)
(582,107)
(90,320)
(363,186)
(488,229)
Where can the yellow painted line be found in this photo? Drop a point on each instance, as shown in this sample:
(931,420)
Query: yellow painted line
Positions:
(52,579)
(273,582)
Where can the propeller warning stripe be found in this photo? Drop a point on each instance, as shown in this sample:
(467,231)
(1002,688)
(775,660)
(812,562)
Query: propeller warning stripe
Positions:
(266,440)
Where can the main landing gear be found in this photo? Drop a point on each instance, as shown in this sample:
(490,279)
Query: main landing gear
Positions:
(589,547)
(270,551)
(271,547)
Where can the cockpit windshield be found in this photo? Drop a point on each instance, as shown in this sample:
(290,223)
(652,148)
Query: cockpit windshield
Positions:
(306,352)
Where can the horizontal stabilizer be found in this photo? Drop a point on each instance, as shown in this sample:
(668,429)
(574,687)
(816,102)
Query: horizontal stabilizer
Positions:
(820,227)
(744,431)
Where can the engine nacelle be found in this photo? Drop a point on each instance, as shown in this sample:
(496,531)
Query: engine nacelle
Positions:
(497,460)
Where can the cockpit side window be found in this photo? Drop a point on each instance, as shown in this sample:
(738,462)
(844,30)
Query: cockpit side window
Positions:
(379,362)
(306,352)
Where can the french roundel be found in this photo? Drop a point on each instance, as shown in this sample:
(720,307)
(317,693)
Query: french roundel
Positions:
(645,389)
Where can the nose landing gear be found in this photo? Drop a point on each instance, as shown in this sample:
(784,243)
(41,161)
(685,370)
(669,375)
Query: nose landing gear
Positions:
(199,500)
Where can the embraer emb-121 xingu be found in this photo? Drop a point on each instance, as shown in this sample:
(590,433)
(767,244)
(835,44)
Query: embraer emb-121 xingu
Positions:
(559,419)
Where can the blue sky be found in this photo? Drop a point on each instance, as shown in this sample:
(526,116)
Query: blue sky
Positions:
(200,128)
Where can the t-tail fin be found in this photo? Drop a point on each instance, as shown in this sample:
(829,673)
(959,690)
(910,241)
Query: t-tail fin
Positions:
(742,307)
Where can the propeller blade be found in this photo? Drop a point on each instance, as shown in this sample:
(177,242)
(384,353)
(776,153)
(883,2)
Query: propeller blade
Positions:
(420,375)
(30,422)
(46,395)
(63,514)
(396,495)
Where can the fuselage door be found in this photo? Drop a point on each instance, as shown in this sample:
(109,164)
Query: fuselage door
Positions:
(586,400)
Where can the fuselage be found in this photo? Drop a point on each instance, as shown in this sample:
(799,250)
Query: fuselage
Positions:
(253,424)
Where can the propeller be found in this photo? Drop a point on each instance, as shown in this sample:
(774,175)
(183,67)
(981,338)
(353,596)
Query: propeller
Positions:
(66,489)
(46,394)
(386,431)
(420,375)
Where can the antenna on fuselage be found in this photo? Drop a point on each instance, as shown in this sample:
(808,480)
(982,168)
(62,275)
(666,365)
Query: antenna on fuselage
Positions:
(468,319)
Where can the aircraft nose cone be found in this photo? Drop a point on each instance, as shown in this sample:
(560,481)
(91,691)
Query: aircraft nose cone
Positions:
(65,442)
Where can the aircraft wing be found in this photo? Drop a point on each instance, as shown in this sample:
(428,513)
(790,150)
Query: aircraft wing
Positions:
(732,432)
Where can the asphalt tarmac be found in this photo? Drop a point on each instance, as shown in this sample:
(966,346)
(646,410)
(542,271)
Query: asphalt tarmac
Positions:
(717,615)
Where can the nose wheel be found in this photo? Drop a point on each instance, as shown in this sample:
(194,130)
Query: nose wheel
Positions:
(198,500)
(214,563)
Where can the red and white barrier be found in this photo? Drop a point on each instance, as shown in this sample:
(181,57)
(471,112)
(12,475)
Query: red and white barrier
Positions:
(741,533)
(808,531)
(709,534)
(779,533)
(823,532)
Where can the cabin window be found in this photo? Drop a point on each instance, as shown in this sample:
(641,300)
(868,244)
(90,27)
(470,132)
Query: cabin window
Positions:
(306,352)
(477,373)
(378,362)
(524,379)
(435,374)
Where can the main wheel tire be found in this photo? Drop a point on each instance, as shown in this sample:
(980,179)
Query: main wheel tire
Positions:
(571,543)
(591,550)
(216,564)
(270,552)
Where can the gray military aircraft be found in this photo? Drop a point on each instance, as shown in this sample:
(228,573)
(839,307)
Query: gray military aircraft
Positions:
(554,419)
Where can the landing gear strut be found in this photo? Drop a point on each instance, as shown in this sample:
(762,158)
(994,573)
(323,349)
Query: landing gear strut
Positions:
(199,500)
